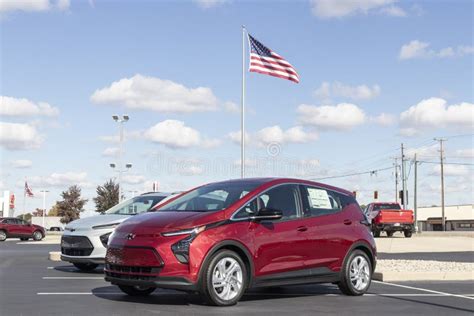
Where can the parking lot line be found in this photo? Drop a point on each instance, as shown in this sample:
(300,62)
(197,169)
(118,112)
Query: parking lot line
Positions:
(73,278)
(426,290)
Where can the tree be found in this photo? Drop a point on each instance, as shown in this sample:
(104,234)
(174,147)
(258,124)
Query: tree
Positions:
(25,217)
(72,205)
(53,211)
(107,196)
(38,212)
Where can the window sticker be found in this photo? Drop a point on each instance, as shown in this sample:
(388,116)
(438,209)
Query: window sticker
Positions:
(319,198)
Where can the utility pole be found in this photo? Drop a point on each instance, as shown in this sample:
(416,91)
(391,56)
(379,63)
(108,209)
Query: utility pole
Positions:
(415,192)
(396,178)
(441,157)
(404,185)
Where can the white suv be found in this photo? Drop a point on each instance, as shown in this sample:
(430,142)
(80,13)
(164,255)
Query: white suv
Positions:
(85,240)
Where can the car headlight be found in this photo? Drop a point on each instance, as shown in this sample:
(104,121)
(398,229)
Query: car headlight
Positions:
(106,226)
(181,248)
(104,239)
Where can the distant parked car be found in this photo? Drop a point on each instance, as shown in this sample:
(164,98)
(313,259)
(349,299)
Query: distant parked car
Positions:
(390,217)
(84,240)
(222,238)
(11,227)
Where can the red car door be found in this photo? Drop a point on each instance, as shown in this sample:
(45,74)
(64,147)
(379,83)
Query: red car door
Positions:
(280,246)
(13,228)
(24,228)
(329,226)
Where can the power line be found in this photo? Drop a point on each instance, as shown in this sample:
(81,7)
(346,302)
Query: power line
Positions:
(448,163)
(372,172)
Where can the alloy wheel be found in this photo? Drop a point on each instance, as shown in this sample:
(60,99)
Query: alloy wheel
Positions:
(359,273)
(3,236)
(227,278)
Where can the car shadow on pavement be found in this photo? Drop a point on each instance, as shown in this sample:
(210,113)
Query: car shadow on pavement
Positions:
(171,297)
(413,300)
(73,269)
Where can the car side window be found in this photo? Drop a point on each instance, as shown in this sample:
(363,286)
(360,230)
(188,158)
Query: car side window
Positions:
(319,201)
(283,198)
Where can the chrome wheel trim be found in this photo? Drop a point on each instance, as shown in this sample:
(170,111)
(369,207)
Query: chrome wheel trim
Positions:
(227,278)
(359,273)
(3,235)
(37,235)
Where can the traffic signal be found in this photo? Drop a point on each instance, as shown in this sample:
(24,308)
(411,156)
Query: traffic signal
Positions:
(376,195)
(402,198)
(354,193)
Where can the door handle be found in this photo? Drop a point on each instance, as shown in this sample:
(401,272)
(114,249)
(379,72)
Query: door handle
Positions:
(302,229)
(347,222)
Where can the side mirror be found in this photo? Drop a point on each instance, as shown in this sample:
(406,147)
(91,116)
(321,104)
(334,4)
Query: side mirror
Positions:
(267,214)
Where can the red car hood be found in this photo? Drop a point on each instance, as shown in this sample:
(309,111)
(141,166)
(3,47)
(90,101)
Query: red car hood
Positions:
(164,221)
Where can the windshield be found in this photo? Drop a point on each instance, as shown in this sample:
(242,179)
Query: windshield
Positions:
(379,207)
(136,205)
(211,197)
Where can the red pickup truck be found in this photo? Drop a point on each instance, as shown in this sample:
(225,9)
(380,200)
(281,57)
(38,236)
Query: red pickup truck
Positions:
(390,217)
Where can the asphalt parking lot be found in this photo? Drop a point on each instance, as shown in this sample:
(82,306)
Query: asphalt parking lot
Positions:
(30,284)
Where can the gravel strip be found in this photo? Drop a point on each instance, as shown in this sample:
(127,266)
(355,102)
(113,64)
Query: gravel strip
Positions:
(423,266)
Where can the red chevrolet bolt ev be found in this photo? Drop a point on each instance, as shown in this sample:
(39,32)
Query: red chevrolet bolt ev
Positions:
(223,238)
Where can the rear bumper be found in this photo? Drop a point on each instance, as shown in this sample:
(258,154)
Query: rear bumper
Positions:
(175,283)
(394,227)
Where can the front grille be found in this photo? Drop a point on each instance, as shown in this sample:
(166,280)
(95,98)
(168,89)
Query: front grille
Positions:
(130,276)
(131,272)
(79,246)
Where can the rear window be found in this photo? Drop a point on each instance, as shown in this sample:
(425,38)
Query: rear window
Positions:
(380,207)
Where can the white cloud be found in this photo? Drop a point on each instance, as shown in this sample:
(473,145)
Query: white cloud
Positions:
(275,134)
(111,152)
(343,116)
(150,93)
(383,119)
(435,113)
(188,167)
(464,153)
(327,9)
(338,89)
(207,4)
(133,179)
(33,5)
(60,180)
(451,170)
(419,49)
(17,136)
(423,152)
(175,134)
(24,107)
(22,164)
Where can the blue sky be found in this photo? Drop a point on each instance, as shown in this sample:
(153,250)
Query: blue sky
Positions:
(373,74)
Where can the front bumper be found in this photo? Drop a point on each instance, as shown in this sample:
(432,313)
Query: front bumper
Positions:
(175,283)
(84,246)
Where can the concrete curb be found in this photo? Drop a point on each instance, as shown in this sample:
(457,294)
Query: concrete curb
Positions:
(55,256)
(423,276)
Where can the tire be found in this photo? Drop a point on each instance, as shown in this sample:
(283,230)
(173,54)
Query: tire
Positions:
(85,267)
(376,233)
(226,269)
(389,233)
(362,281)
(136,290)
(37,235)
(407,233)
(24,238)
(3,235)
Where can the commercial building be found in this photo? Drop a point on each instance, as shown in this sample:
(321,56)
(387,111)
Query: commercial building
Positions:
(457,217)
(7,204)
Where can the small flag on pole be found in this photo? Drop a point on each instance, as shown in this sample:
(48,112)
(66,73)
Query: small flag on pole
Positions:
(263,60)
(28,191)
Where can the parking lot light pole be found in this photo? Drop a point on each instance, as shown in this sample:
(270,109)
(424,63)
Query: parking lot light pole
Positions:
(128,166)
(44,203)
(121,121)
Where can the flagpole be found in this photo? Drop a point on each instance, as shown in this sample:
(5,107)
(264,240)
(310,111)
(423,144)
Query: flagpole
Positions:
(242,113)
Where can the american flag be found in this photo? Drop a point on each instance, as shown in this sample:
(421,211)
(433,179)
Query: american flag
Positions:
(28,191)
(263,60)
